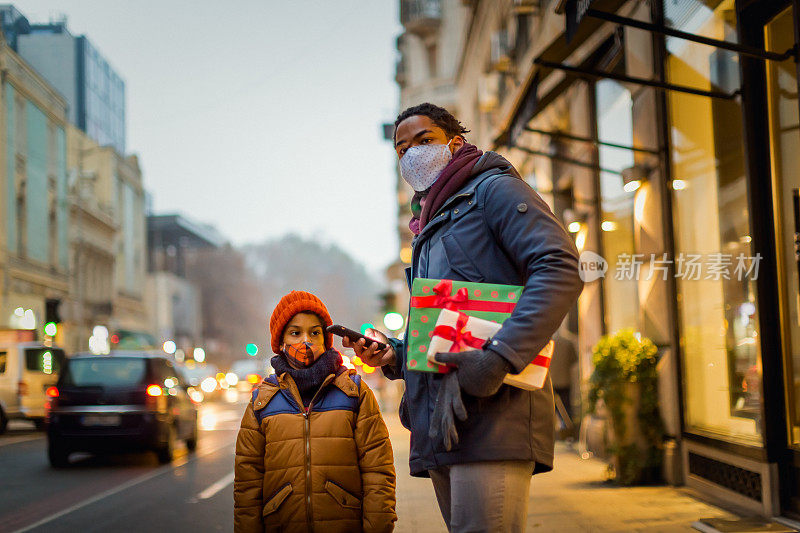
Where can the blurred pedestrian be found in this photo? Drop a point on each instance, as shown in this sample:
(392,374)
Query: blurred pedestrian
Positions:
(475,219)
(313,448)
(565,356)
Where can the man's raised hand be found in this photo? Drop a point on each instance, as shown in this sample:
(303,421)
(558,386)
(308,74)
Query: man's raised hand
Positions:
(370,354)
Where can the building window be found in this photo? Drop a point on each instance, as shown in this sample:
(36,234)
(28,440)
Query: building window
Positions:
(52,221)
(717,305)
(431,51)
(615,126)
(22,220)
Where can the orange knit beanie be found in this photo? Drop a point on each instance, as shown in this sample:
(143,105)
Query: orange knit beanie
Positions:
(291,304)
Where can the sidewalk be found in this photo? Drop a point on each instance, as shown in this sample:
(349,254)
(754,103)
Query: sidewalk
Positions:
(572,498)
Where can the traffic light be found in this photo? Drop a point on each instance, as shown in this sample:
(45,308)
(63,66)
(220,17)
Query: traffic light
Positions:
(365,326)
(251,349)
(51,329)
(51,313)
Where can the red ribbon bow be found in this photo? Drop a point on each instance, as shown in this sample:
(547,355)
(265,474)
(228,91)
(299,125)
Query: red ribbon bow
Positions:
(443,291)
(458,335)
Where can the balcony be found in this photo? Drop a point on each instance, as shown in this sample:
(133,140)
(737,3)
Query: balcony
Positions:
(421,17)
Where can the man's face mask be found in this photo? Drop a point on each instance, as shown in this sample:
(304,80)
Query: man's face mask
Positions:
(303,353)
(422,164)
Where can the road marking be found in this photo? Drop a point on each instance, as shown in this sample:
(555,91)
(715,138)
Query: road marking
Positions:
(213,489)
(17,440)
(135,481)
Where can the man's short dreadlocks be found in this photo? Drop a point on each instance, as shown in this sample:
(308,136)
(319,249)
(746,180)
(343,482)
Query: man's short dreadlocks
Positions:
(439,115)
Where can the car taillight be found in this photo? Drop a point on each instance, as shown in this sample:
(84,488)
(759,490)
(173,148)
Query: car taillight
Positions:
(52,392)
(22,388)
(153,394)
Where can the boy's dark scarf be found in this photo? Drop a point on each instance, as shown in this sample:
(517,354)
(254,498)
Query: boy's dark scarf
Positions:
(309,379)
(425,204)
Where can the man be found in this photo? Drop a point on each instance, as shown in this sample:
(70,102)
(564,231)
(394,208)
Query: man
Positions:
(565,356)
(476,220)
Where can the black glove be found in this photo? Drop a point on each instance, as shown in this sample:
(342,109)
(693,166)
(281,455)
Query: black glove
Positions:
(448,406)
(480,372)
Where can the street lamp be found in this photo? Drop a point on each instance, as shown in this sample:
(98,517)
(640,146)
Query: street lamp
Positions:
(633,177)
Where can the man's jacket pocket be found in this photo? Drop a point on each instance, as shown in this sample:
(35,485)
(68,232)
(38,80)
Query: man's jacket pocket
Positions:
(459,261)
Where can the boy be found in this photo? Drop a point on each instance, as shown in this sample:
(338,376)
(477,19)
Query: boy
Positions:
(313,451)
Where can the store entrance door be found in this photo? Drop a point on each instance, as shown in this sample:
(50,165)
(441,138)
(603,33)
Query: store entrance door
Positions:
(784,126)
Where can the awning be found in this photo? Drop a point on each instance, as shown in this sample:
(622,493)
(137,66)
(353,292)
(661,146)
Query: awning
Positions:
(576,10)
(529,102)
(583,18)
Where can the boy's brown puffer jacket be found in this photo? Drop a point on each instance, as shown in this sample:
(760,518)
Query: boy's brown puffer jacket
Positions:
(330,469)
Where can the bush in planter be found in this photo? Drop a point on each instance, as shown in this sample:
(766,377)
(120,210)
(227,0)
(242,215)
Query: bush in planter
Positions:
(626,381)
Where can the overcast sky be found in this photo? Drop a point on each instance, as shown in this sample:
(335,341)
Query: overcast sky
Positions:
(257,116)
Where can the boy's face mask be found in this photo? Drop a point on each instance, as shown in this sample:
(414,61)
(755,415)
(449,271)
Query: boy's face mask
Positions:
(303,354)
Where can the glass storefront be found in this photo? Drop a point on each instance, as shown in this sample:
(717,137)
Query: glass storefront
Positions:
(716,295)
(784,124)
(615,126)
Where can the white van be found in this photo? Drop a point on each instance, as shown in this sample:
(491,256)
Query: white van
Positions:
(27,369)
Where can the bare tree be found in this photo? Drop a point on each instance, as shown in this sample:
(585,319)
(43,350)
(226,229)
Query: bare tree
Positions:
(294,263)
(233,304)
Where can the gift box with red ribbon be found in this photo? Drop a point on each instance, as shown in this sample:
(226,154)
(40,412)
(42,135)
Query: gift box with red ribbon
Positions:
(455,316)
(487,301)
(458,332)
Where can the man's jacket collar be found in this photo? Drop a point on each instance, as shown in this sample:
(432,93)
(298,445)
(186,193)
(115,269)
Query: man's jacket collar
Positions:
(467,190)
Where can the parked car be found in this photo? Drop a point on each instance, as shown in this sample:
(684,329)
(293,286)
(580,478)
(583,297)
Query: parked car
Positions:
(125,401)
(27,369)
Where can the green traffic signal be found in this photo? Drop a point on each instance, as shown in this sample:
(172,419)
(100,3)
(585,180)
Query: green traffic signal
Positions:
(365,326)
(251,349)
(50,329)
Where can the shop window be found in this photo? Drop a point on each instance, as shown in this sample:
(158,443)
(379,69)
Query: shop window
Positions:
(719,325)
(784,125)
(615,126)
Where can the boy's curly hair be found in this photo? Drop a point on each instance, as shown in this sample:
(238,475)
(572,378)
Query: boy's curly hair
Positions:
(439,115)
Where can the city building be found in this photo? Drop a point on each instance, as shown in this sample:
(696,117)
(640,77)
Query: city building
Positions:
(173,243)
(34,247)
(94,91)
(429,53)
(666,135)
(107,227)
(93,244)
(73,245)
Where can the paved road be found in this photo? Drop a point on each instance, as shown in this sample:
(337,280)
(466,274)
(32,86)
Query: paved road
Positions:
(129,492)
(134,493)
